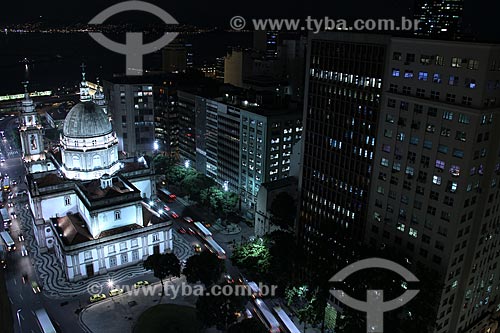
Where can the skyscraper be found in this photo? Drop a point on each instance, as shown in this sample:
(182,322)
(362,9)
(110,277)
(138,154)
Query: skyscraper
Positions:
(439,18)
(343,95)
(434,194)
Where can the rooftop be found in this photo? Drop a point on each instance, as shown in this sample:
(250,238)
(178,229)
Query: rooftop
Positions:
(72,229)
(94,191)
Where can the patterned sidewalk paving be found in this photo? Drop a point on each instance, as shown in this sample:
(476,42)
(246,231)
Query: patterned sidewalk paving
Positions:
(51,275)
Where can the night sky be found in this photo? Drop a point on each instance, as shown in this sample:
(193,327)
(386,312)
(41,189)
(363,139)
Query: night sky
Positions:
(481,16)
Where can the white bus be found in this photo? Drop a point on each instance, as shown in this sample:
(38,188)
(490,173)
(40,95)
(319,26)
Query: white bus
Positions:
(204,232)
(5,216)
(254,288)
(215,248)
(286,322)
(266,317)
(9,243)
(44,321)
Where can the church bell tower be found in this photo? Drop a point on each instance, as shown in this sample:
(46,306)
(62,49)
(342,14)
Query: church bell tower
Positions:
(30,130)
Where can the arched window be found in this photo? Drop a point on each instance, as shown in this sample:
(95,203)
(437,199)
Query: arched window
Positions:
(76,162)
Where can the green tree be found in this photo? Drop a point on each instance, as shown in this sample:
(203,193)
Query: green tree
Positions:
(163,265)
(283,211)
(282,265)
(247,326)
(219,311)
(163,164)
(194,183)
(253,256)
(204,267)
(219,200)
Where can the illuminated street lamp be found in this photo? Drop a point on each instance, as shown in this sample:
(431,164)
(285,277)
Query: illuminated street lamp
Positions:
(187,164)
(226,186)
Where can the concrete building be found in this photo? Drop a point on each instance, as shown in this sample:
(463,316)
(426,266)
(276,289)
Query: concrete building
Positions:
(237,66)
(401,153)
(265,196)
(434,193)
(439,18)
(131,104)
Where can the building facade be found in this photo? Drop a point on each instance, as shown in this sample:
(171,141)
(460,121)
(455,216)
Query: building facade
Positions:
(87,202)
(434,194)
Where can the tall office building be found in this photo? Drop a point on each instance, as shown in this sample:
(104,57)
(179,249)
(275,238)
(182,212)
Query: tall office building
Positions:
(434,195)
(439,18)
(267,137)
(131,105)
(343,101)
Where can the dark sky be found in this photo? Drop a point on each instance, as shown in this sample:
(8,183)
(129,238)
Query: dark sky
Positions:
(480,15)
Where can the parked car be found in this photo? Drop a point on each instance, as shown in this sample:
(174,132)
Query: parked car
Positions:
(140,284)
(24,252)
(197,248)
(188,219)
(174,214)
(115,292)
(181,230)
(21,237)
(97,297)
(191,231)
(167,209)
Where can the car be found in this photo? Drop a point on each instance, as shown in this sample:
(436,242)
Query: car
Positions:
(24,278)
(10,204)
(140,284)
(21,237)
(115,292)
(97,297)
(228,278)
(181,230)
(24,252)
(10,196)
(167,209)
(197,248)
(188,219)
(208,225)
(191,231)
(14,216)
(21,193)
(14,183)
(174,214)
(35,287)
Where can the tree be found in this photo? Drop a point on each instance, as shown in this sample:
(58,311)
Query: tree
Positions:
(247,326)
(163,265)
(282,265)
(204,267)
(283,211)
(194,183)
(163,164)
(219,200)
(253,256)
(219,311)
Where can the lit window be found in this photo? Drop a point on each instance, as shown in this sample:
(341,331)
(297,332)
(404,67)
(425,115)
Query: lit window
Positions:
(455,170)
(436,180)
(395,72)
(423,76)
(413,233)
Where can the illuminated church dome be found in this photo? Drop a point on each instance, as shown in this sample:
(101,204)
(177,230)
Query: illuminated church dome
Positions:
(86,120)
(89,147)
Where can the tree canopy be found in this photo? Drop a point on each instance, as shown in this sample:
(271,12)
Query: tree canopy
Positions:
(163,265)
(219,311)
(204,267)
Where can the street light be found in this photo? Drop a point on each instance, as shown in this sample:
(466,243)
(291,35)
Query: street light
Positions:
(187,164)
(226,186)
(156,146)
(19,320)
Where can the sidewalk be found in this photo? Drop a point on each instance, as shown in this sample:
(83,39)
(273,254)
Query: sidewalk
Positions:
(120,313)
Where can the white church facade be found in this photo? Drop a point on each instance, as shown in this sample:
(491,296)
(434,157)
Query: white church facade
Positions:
(88,204)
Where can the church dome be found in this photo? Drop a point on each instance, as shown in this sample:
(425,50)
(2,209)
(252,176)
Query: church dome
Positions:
(86,120)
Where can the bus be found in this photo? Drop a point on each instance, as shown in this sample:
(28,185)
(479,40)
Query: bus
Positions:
(5,217)
(44,321)
(166,196)
(202,230)
(9,243)
(286,322)
(266,317)
(3,256)
(254,289)
(215,248)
